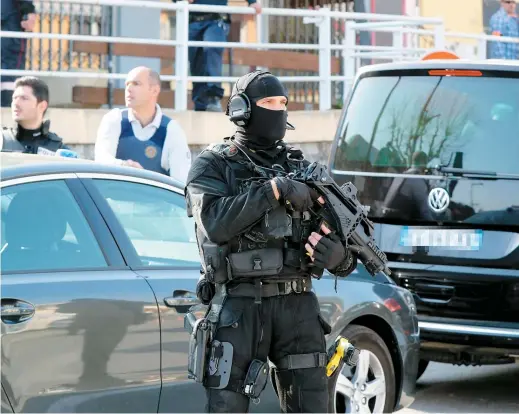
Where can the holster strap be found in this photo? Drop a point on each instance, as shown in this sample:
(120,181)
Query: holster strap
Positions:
(269,289)
(299,361)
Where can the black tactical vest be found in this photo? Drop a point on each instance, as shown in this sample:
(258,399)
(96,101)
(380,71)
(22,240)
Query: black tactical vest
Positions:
(244,172)
(48,140)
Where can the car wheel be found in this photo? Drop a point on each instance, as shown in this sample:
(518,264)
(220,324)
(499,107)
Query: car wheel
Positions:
(422,366)
(370,387)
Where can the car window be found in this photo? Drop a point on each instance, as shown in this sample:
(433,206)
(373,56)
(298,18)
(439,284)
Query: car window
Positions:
(393,120)
(155,220)
(43,228)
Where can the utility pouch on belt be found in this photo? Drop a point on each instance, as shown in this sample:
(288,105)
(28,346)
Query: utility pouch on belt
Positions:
(215,262)
(258,262)
(198,341)
(256,379)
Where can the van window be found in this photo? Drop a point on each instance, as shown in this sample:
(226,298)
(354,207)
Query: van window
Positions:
(393,120)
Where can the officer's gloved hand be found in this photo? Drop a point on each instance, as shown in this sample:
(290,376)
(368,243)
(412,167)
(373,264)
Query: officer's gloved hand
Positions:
(205,290)
(298,194)
(326,252)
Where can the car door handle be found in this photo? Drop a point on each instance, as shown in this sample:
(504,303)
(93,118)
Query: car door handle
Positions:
(182,298)
(16,311)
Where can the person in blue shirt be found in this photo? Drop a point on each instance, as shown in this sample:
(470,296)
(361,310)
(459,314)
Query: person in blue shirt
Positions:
(505,23)
(207,61)
(140,135)
(17,16)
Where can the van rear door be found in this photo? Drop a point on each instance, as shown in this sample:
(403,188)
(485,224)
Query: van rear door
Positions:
(398,126)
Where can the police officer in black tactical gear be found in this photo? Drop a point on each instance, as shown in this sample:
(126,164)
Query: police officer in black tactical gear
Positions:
(30,133)
(257,270)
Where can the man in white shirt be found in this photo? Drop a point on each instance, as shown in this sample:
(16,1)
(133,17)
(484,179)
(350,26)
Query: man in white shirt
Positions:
(141,135)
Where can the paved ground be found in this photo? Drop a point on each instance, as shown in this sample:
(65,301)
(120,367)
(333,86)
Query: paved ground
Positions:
(450,389)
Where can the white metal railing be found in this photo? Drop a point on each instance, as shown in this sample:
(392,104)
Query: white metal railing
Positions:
(322,18)
(352,53)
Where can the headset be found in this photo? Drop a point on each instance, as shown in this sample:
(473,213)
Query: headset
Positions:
(239,106)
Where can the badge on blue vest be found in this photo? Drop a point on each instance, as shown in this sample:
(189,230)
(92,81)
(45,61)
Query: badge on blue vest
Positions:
(150,151)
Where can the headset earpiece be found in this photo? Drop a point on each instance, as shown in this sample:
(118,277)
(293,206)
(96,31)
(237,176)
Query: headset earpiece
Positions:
(239,105)
(239,109)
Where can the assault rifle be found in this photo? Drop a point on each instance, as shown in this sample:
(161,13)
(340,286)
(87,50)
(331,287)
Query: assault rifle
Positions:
(344,213)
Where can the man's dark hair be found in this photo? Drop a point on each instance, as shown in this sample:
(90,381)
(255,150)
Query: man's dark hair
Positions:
(39,88)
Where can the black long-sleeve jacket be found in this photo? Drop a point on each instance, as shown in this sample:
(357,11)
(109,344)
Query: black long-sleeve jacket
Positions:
(220,212)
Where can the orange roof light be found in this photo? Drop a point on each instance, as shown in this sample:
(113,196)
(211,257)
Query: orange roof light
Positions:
(440,54)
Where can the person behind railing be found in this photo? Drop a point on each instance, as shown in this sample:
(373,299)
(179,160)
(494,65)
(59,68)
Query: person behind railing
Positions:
(31,133)
(207,61)
(141,135)
(17,16)
(504,22)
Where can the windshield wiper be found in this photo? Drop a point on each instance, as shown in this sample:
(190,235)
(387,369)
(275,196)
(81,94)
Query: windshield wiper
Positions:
(484,175)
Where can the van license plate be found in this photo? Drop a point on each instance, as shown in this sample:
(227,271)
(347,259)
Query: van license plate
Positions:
(456,239)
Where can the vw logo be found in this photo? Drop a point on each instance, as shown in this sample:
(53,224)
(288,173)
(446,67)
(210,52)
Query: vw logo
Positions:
(438,199)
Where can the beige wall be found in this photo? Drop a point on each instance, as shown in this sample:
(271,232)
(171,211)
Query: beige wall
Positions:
(459,16)
(79,126)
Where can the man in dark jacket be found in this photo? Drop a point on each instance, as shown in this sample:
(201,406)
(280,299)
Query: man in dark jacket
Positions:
(257,272)
(30,134)
(17,16)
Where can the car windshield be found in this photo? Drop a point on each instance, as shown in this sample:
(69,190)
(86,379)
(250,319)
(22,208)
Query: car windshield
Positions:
(390,119)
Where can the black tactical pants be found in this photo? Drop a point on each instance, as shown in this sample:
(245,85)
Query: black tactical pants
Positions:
(279,326)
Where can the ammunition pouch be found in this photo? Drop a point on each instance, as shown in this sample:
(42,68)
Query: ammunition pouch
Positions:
(255,263)
(215,257)
(294,258)
(256,379)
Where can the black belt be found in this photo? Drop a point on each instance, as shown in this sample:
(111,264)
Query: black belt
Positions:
(202,17)
(270,288)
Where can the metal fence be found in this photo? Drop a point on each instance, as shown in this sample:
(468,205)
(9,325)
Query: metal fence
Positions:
(73,18)
(327,32)
(293,29)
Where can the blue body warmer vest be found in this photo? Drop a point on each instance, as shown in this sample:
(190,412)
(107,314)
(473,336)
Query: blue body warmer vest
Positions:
(147,153)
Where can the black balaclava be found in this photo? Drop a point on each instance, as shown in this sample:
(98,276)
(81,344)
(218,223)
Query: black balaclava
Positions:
(266,127)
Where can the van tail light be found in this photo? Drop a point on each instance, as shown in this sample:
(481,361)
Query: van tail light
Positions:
(455,72)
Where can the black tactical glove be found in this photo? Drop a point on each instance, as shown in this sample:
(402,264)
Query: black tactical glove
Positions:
(347,266)
(205,290)
(298,194)
(329,252)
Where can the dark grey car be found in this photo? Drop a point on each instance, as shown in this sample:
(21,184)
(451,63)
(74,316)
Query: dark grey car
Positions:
(99,265)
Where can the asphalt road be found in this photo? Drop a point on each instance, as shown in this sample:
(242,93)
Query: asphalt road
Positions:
(451,389)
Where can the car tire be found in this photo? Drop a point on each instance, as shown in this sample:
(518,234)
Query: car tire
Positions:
(422,366)
(373,351)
